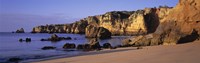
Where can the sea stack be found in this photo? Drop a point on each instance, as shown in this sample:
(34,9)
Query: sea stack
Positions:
(21,30)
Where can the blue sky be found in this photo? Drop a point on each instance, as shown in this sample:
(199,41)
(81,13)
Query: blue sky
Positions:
(15,14)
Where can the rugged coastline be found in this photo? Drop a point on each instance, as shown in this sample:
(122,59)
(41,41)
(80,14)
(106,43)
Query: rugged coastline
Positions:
(165,25)
(152,26)
(117,22)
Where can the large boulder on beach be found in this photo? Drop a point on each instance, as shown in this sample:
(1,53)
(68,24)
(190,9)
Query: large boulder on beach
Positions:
(21,30)
(68,45)
(125,42)
(97,32)
(142,40)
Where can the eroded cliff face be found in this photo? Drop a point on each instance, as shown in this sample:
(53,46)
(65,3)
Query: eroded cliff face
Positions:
(76,27)
(181,25)
(132,23)
(97,32)
(117,22)
(186,10)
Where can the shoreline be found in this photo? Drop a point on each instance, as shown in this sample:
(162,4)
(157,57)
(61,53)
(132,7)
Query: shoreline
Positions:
(181,53)
(104,51)
(33,50)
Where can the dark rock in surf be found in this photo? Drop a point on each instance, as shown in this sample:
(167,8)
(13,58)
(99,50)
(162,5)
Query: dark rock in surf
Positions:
(28,39)
(14,60)
(21,40)
(48,47)
(21,30)
(107,45)
(68,45)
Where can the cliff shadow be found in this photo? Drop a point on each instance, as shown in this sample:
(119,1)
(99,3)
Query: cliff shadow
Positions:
(189,38)
(152,21)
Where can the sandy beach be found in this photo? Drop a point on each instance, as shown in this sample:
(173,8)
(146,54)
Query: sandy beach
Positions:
(181,53)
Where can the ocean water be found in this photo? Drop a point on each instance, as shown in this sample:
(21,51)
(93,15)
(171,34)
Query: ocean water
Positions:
(10,46)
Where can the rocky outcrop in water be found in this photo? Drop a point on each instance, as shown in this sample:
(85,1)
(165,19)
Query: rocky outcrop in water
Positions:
(93,44)
(27,40)
(180,26)
(21,30)
(55,38)
(69,45)
(117,22)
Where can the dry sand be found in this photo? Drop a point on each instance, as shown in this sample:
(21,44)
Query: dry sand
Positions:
(182,53)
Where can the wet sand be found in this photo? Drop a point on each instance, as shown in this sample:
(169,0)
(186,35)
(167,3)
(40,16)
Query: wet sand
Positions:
(182,53)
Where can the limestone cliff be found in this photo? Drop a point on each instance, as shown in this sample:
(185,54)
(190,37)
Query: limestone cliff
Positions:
(76,27)
(97,32)
(117,22)
(181,25)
